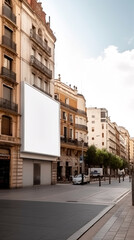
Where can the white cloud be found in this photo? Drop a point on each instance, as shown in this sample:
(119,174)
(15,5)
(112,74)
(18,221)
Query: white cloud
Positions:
(106,81)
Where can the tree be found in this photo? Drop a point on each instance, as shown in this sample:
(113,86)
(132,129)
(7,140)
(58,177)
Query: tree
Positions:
(90,157)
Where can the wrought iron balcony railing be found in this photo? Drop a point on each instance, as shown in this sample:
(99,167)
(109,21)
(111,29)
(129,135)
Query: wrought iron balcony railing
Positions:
(39,41)
(6,11)
(4,103)
(41,67)
(8,74)
(8,42)
(81,127)
(72,141)
(81,112)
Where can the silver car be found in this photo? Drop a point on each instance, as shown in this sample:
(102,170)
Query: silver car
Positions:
(78,179)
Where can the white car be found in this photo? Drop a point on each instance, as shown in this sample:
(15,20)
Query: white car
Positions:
(78,179)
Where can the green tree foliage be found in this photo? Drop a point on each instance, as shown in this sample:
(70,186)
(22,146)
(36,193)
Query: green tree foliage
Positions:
(101,157)
(91,158)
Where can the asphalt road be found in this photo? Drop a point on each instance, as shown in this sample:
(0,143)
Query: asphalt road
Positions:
(58,212)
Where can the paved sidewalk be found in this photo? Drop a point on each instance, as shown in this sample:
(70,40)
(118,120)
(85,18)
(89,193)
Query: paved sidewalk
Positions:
(62,211)
(120,226)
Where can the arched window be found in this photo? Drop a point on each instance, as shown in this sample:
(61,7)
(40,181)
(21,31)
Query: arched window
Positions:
(6,127)
(40,32)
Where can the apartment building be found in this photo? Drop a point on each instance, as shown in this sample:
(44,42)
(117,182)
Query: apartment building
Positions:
(106,134)
(73,130)
(40,137)
(29,115)
(125,134)
(10,161)
(131,151)
(98,127)
(111,137)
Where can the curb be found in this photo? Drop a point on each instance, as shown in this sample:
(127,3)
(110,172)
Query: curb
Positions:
(85,228)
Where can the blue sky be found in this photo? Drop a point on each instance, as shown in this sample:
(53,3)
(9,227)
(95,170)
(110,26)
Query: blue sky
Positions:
(95,52)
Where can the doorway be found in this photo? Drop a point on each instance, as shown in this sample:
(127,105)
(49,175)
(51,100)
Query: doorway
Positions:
(4,173)
(36,174)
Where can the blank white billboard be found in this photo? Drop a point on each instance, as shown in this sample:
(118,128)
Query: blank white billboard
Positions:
(40,122)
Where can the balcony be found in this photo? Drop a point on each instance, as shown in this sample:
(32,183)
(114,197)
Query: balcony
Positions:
(81,112)
(41,67)
(69,140)
(6,11)
(9,43)
(9,140)
(68,106)
(81,127)
(4,103)
(73,142)
(35,37)
(7,73)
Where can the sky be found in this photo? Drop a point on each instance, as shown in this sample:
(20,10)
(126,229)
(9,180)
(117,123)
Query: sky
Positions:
(94,51)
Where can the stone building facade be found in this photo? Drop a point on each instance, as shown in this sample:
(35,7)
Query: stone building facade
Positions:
(73,132)
(10,161)
(27,48)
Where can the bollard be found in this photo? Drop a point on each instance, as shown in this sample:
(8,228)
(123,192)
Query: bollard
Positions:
(109,179)
(99,181)
(132,189)
(119,179)
(82,179)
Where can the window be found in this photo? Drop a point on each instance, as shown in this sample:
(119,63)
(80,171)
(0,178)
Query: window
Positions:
(71,133)
(39,57)
(92,129)
(93,116)
(45,86)
(103,120)
(92,138)
(39,32)
(93,121)
(103,135)
(33,28)
(102,143)
(102,126)
(71,118)
(33,52)
(33,78)
(76,135)
(8,2)
(8,32)
(39,80)
(64,115)
(103,115)
(6,125)
(67,100)
(65,132)
(56,96)
(7,62)
(46,42)
(76,120)
(69,152)
(7,93)
(46,62)
(80,120)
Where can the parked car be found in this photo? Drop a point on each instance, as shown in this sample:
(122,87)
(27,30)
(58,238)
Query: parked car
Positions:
(78,179)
